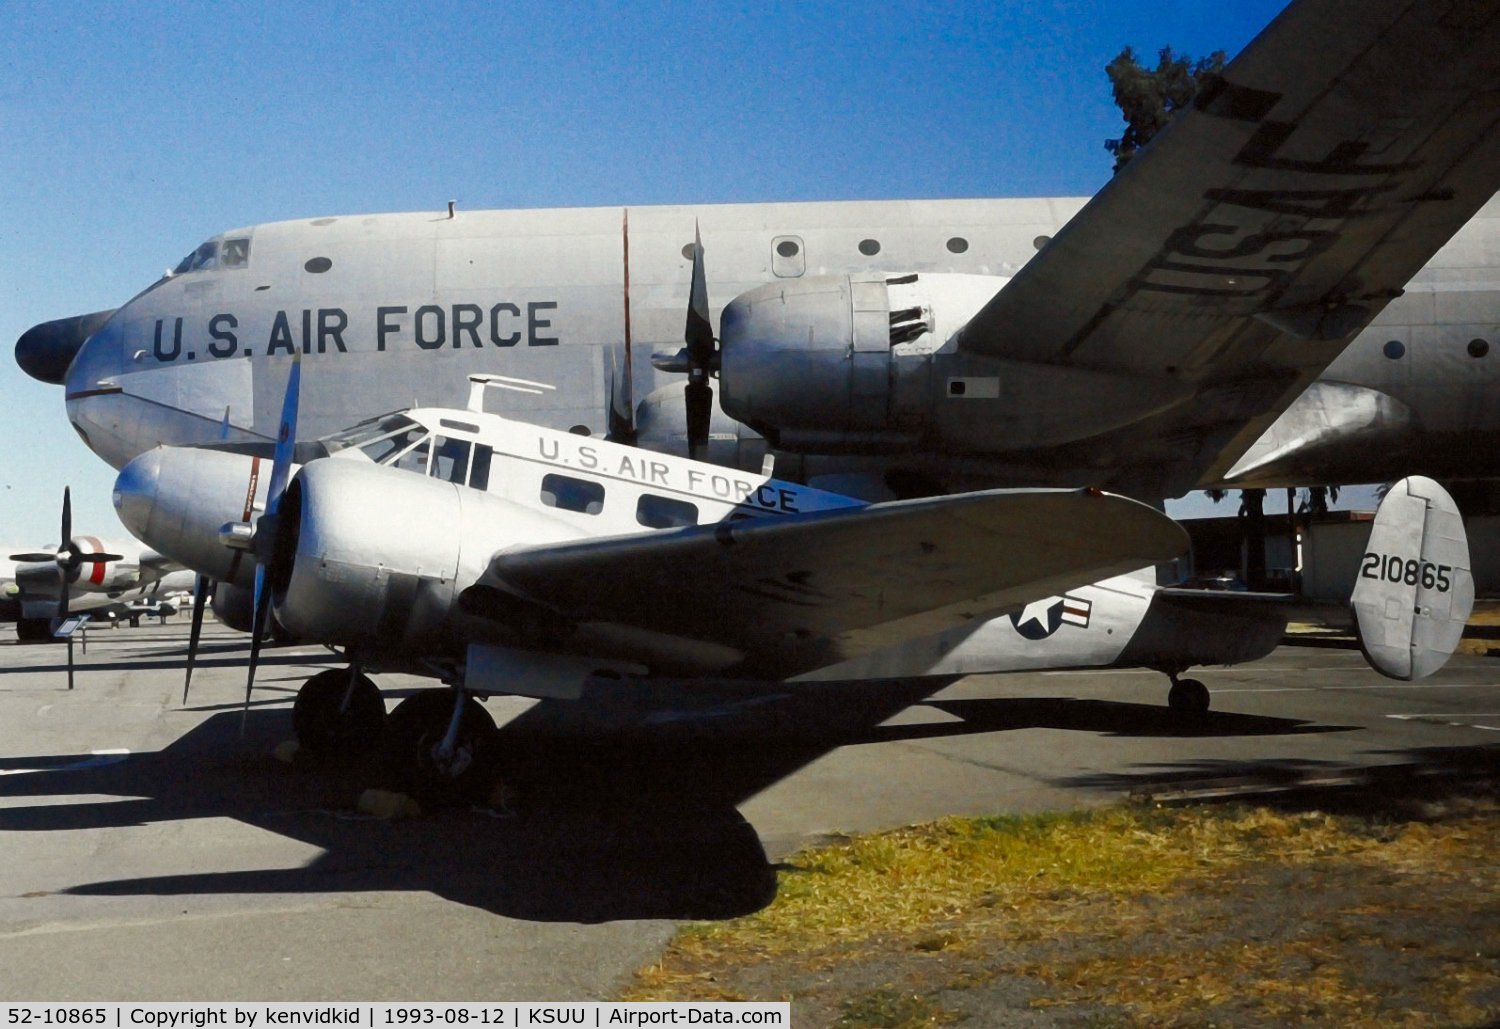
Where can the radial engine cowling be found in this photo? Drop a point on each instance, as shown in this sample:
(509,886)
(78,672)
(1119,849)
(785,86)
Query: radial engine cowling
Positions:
(381,554)
(842,362)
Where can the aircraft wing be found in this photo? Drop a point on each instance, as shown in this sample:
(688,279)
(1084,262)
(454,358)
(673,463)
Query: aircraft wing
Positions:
(1239,251)
(798,592)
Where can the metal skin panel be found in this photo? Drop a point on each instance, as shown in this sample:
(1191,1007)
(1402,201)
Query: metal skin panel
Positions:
(1306,188)
(1415,591)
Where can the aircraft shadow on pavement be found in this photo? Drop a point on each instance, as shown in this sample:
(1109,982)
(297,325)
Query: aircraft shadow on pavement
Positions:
(1397,783)
(638,821)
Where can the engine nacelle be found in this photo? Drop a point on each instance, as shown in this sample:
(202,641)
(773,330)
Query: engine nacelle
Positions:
(869,364)
(178,498)
(821,361)
(382,554)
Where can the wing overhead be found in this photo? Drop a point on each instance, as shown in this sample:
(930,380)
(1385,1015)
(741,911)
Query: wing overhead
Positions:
(793,593)
(1242,248)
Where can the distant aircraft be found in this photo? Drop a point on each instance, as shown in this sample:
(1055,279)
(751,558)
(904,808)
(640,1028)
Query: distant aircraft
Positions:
(106,577)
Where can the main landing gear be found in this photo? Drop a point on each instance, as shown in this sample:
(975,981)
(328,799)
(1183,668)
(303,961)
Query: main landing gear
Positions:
(1188,696)
(444,740)
(435,741)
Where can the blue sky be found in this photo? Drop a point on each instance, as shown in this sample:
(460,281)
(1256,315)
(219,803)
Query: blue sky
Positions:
(132,132)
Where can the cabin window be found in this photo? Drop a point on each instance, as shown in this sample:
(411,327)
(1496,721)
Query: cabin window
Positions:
(451,460)
(572,494)
(664,513)
(869,247)
(1478,347)
(479,475)
(957,245)
(788,259)
(1394,349)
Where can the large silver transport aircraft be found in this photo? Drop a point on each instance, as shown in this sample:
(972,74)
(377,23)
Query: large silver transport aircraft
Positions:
(1164,338)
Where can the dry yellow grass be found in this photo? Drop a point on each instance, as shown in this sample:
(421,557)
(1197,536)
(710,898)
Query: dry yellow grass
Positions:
(983,890)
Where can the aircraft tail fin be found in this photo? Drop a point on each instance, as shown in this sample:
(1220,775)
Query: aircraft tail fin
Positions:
(1414,590)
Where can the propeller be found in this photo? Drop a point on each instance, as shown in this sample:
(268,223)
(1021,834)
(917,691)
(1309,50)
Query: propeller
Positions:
(68,558)
(200,594)
(267,529)
(700,358)
(701,355)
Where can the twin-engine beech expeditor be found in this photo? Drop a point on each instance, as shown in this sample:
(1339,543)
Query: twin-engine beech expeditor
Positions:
(506,558)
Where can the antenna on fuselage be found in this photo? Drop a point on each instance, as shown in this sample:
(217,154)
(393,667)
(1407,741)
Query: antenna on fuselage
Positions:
(479,381)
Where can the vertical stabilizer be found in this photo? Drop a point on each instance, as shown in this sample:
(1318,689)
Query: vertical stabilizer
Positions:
(1414,590)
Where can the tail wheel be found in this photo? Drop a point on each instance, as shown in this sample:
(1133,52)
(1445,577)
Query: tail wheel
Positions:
(415,732)
(322,722)
(1188,696)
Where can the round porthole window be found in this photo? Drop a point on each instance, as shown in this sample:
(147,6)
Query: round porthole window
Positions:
(869,247)
(1041,241)
(1478,347)
(687,251)
(786,248)
(958,245)
(1394,349)
(318,265)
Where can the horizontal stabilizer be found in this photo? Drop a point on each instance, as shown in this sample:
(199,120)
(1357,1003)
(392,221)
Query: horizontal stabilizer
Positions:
(1414,590)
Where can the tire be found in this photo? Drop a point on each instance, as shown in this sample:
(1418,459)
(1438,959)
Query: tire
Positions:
(418,724)
(1188,696)
(322,729)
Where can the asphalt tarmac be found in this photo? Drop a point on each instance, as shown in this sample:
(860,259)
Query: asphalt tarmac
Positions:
(154,851)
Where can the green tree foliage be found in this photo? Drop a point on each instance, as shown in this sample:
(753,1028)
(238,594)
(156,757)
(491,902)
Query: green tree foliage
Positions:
(1147,99)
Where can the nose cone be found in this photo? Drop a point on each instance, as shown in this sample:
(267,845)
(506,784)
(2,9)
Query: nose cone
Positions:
(45,351)
(135,492)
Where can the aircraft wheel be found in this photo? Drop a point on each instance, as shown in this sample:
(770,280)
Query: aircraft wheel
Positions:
(322,728)
(1188,696)
(415,730)
(34,630)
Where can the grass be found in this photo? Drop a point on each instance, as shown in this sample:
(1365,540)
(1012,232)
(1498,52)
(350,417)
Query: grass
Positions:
(1144,914)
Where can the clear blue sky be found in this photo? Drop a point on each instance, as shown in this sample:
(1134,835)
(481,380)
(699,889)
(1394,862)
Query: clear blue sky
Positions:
(132,132)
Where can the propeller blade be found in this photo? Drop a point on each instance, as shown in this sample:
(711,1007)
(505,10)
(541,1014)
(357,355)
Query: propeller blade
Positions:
(97,559)
(34,558)
(699,335)
(699,332)
(62,600)
(700,406)
(67,517)
(286,436)
(199,595)
(257,633)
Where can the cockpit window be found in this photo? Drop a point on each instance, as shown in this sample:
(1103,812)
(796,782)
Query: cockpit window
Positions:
(202,259)
(235,253)
(379,437)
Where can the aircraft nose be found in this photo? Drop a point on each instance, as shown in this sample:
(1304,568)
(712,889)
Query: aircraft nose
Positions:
(45,351)
(135,491)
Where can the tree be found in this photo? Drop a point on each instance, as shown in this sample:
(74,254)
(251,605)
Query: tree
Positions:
(1147,99)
